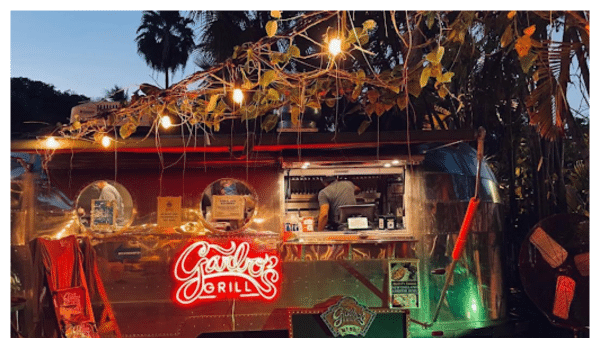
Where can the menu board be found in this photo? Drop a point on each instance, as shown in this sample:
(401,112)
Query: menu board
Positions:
(169,211)
(228,207)
(404,283)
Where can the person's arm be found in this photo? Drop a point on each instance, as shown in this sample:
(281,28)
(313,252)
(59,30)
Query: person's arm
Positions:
(323,216)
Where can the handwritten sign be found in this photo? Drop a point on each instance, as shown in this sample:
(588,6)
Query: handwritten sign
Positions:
(225,269)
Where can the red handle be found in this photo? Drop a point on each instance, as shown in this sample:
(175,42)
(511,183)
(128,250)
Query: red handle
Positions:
(464,229)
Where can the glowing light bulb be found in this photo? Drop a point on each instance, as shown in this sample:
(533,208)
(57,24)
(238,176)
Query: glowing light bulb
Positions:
(238,96)
(52,143)
(106,141)
(165,121)
(387,165)
(395,162)
(335,46)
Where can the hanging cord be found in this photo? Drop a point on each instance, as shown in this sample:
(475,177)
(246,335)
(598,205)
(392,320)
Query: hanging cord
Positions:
(464,231)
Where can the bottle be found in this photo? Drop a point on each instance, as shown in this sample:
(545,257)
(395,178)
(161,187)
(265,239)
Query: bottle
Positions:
(295,222)
(287,224)
(381,224)
(390,222)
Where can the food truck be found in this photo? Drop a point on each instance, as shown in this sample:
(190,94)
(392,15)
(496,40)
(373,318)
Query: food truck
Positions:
(213,237)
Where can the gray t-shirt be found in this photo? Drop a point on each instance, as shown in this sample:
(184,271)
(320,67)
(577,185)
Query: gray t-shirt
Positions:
(336,194)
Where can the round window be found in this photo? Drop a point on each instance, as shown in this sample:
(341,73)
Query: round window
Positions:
(105,206)
(228,205)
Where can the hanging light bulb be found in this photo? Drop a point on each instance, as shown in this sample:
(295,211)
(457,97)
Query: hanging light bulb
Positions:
(335,46)
(52,143)
(106,141)
(238,96)
(165,121)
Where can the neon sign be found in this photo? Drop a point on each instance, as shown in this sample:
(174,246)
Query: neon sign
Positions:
(227,269)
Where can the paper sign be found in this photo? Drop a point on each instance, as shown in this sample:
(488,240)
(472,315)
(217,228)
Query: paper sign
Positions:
(169,212)
(404,283)
(103,215)
(228,207)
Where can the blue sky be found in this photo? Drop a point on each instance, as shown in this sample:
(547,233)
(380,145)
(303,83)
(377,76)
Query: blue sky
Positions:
(87,52)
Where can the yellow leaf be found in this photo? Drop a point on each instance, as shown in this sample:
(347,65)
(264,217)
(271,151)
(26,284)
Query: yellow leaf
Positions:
(511,14)
(294,51)
(436,70)
(273,94)
(267,77)
(446,77)
(369,24)
(271,28)
(276,14)
(212,104)
(529,30)
(436,55)
(425,76)
(507,37)
(443,91)
(330,102)
(523,45)
(295,114)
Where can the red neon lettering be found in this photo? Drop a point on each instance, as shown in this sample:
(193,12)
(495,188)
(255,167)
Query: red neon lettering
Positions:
(207,271)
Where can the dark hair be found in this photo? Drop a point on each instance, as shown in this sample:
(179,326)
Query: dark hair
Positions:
(329,179)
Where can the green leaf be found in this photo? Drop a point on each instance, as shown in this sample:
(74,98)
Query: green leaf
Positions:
(271,28)
(267,77)
(363,126)
(269,122)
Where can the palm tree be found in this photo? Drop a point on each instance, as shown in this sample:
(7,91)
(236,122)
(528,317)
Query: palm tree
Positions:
(165,40)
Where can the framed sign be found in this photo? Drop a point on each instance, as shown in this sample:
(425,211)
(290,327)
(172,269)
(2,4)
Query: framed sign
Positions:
(404,283)
(225,268)
(169,211)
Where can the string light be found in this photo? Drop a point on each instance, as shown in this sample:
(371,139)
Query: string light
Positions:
(52,143)
(165,121)
(106,141)
(335,46)
(238,96)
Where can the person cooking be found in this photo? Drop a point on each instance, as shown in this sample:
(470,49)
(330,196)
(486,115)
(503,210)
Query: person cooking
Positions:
(335,194)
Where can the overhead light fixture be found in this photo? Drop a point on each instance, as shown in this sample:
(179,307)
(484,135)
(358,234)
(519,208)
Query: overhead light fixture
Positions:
(395,162)
(387,165)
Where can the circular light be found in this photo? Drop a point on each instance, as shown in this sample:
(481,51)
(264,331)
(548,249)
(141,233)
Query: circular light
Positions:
(106,141)
(52,143)
(395,162)
(387,165)
(335,46)
(238,96)
(165,121)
